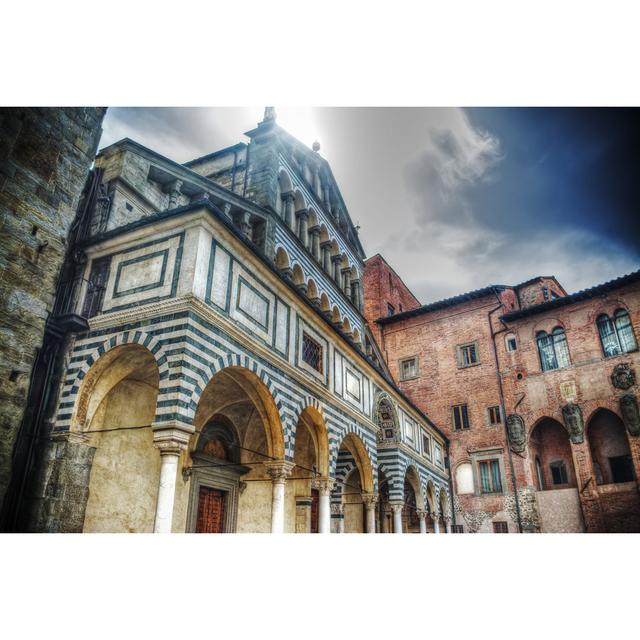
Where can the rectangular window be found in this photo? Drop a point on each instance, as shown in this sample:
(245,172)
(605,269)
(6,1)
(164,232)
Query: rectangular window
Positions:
(311,352)
(408,368)
(490,480)
(559,472)
(460,417)
(512,345)
(500,527)
(426,445)
(390,309)
(494,415)
(457,528)
(409,430)
(467,355)
(438,454)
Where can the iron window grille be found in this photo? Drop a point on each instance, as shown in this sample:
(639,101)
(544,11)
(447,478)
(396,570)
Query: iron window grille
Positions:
(500,527)
(311,352)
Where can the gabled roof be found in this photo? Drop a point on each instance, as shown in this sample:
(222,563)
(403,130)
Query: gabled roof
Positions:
(585,294)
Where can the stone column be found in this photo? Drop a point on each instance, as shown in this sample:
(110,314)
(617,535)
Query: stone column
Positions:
(397,516)
(337,262)
(355,290)
(245,224)
(422,515)
(289,213)
(324,486)
(173,189)
(317,185)
(326,256)
(447,524)
(346,274)
(337,516)
(171,441)
(279,471)
(315,242)
(370,500)
(436,522)
(303,226)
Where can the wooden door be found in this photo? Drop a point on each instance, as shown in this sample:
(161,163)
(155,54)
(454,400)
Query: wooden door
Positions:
(211,508)
(315,502)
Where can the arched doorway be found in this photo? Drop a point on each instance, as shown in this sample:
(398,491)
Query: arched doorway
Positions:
(237,412)
(116,407)
(610,454)
(306,484)
(550,454)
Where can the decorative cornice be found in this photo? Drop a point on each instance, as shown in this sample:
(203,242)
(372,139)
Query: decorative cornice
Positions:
(279,470)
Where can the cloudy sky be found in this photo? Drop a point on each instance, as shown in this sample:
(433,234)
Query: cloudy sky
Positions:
(455,199)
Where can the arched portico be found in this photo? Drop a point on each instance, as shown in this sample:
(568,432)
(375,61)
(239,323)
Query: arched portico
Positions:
(413,502)
(353,498)
(113,414)
(239,400)
(310,486)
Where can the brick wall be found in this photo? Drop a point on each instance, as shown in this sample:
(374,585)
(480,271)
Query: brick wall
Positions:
(45,155)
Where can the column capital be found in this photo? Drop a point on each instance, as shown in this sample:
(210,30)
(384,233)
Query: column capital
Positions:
(279,470)
(302,213)
(288,196)
(171,438)
(336,509)
(325,244)
(370,500)
(323,485)
(422,515)
(315,229)
(396,507)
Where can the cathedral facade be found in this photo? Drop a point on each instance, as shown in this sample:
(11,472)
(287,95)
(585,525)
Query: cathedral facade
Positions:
(218,373)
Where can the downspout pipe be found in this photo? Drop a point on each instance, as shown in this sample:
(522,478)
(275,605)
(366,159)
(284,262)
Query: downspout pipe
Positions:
(502,406)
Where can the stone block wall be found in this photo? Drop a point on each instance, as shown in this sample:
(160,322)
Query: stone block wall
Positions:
(45,156)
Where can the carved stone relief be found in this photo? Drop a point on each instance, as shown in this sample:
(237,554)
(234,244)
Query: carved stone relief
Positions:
(574,422)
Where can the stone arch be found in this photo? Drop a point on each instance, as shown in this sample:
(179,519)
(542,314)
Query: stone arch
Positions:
(86,377)
(443,503)
(297,274)
(299,201)
(257,386)
(313,218)
(324,233)
(346,325)
(312,416)
(354,444)
(412,476)
(334,249)
(282,259)
(312,290)
(117,405)
(356,337)
(431,498)
(324,303)
(336,317)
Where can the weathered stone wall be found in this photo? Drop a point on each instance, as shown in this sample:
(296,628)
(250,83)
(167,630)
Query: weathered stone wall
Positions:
(45,155)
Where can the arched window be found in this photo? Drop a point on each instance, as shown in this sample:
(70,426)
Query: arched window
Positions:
(616,334)
(553,350)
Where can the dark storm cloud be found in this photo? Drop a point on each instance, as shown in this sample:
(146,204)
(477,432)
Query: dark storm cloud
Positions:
(455,199)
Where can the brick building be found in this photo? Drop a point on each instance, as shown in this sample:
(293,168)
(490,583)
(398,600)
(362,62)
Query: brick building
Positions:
(560,367)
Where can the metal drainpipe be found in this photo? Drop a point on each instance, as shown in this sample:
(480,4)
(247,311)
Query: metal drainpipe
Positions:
(503,408)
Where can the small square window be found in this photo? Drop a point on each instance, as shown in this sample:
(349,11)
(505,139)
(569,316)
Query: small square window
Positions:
(494,415)
(512,344)
(468,355)
(390,309)
(460,417)
(311,352)
(500,527)
(128,206)
(408,368)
